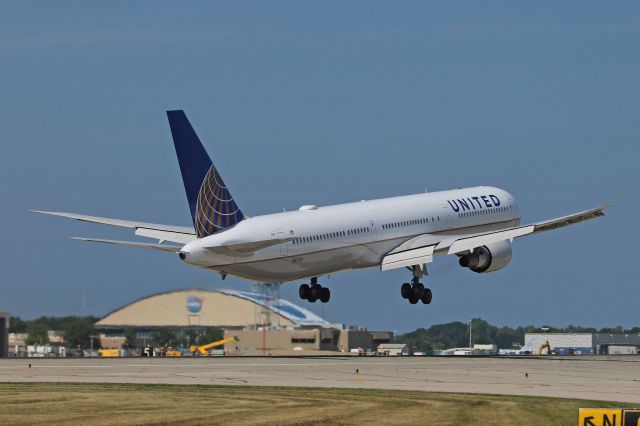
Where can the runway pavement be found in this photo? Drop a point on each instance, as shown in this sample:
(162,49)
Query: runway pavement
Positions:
(600,378)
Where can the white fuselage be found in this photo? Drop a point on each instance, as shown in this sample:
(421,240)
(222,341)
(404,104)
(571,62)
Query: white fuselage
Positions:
(335,238)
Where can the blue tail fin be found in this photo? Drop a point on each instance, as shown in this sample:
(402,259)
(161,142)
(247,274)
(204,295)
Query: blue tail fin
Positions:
(212,206)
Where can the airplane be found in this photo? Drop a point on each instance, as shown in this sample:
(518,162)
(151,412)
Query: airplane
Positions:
(477,224)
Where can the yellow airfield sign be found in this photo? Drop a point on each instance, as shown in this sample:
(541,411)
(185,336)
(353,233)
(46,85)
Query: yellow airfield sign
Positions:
(608,417)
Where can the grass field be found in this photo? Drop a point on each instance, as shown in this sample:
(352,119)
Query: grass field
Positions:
(53,403)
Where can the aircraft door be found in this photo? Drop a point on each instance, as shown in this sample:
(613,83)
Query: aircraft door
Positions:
(284,247)
(447,216)
(372,224)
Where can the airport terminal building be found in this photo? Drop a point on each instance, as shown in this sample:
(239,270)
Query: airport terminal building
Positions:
(260,324)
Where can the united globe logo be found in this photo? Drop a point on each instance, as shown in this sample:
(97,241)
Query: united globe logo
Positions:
(194,304)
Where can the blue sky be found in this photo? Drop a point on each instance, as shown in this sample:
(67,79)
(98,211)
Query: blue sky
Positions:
(322,103)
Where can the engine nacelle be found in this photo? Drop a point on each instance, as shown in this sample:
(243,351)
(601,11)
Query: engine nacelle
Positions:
(489,258)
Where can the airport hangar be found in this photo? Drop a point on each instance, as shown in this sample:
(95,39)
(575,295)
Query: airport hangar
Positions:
(261,323)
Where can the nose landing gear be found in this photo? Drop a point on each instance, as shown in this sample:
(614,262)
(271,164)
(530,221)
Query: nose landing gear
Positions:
(314,292)
(416,291)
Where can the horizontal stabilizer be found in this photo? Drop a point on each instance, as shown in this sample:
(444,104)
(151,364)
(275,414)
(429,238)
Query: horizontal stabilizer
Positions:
(119,222)
(174,237)
(133,244)
(175,234)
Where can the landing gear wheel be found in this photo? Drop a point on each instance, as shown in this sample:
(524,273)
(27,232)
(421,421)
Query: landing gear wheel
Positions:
(405,290)
(426,296)
(418,291)
(325,295)
(315,291)
(304,291)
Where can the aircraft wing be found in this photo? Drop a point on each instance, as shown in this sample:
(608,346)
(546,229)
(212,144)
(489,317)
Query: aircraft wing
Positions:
(422,248)
(133,244)
(176,234)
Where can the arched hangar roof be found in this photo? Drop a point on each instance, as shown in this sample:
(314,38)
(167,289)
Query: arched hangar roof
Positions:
(202,307)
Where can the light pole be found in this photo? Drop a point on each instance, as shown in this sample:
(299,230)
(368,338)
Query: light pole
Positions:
(91,344)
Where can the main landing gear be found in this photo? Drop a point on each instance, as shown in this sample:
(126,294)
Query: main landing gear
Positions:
(314,292)
(416,290)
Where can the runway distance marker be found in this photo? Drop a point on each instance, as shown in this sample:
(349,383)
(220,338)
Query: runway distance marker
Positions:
(599,417)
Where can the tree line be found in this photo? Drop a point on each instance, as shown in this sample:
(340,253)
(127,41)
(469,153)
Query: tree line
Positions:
(77,332)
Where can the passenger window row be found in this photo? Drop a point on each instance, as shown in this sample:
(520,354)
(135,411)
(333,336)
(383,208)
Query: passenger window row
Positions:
(329,235)
(483,211)
(411,222)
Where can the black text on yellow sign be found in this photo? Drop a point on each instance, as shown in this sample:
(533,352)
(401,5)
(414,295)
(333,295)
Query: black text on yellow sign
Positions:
(608,417)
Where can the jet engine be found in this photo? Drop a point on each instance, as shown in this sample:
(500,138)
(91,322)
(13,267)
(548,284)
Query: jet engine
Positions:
(489,258)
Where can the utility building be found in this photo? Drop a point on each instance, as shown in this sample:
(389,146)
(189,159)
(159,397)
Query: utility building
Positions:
(583,343)
(571,343)
(301,341)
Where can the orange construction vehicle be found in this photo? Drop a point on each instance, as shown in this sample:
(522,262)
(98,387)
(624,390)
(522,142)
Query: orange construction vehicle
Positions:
(546,346)
(169,351)
(204,349)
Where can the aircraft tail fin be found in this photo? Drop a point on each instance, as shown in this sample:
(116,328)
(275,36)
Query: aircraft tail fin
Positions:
(212,206)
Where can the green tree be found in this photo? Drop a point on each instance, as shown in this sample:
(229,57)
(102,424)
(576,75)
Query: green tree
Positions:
(507,337)
(77,331)
(482,332)
(612,330)
(17,325)
(129,339)
(164,336)
(37,333)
